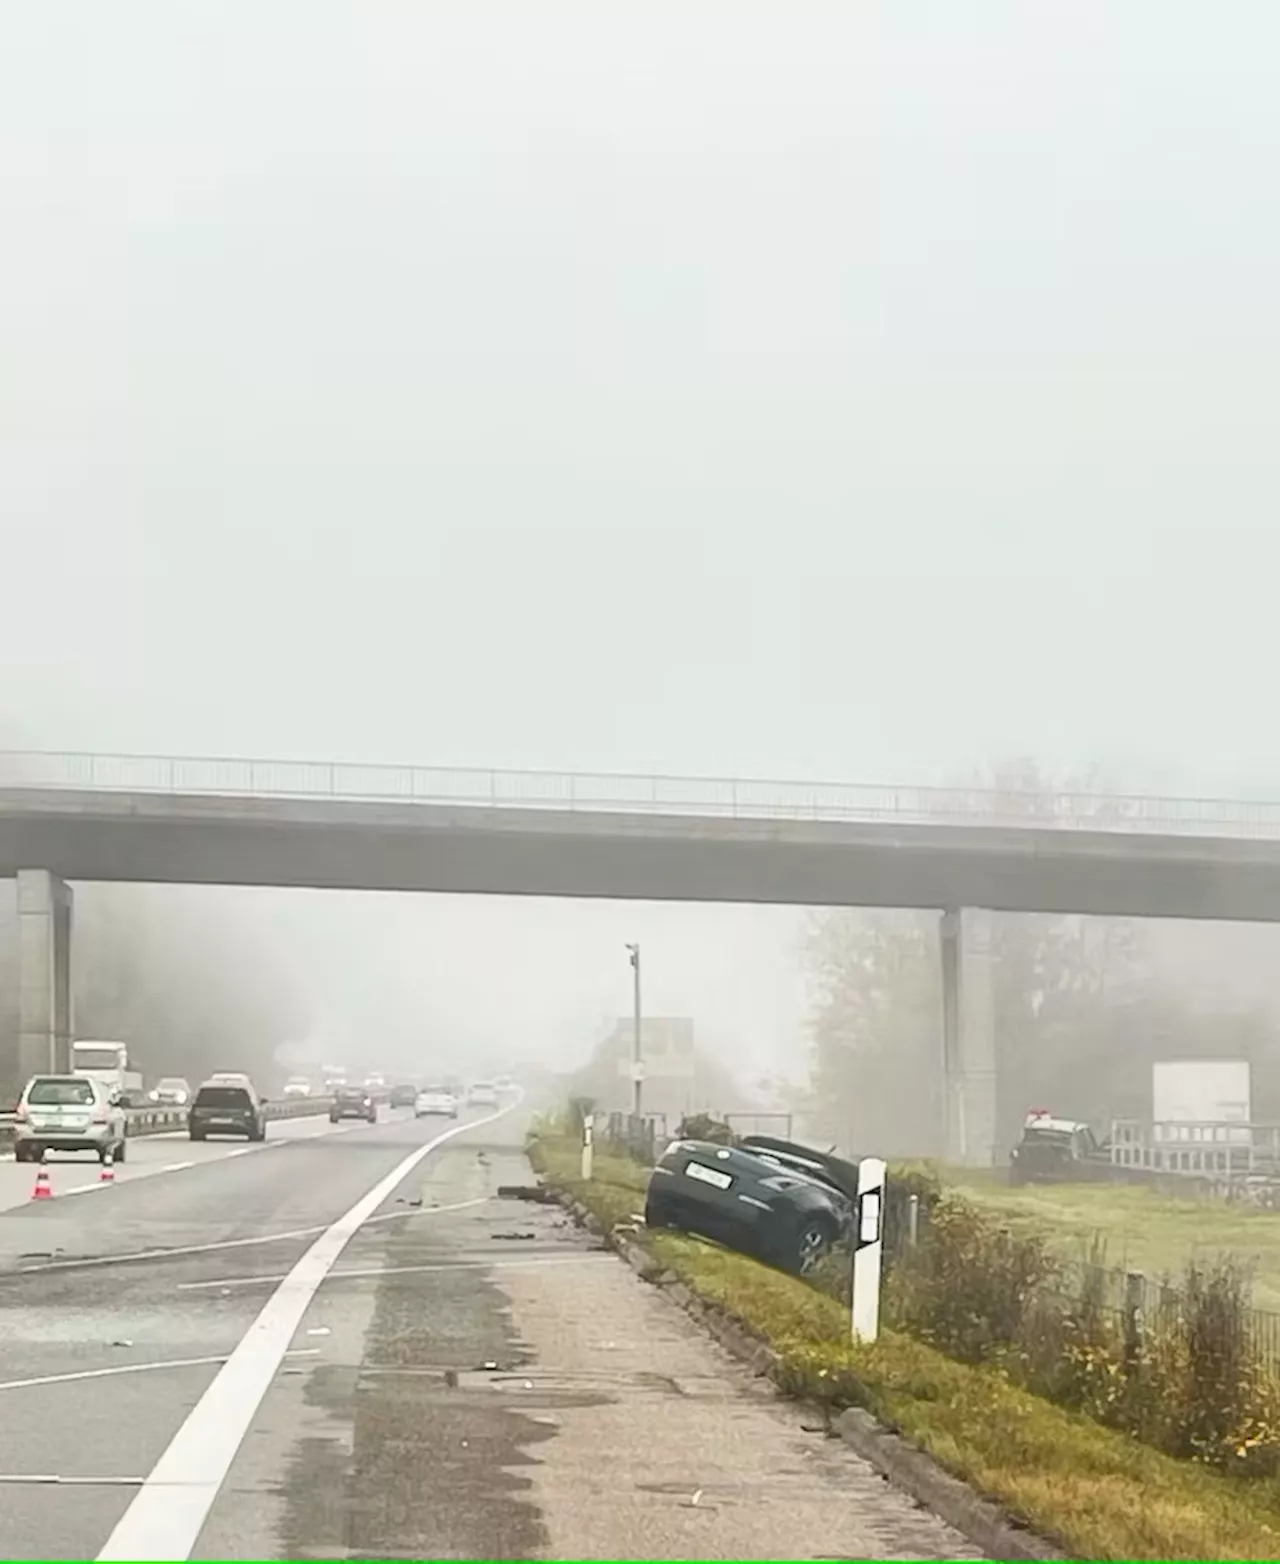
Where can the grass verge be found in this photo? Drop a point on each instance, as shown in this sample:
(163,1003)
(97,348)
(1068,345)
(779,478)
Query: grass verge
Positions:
(1100,1493)
(1143,1229)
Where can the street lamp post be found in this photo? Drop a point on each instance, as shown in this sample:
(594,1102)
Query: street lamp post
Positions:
(636,1063)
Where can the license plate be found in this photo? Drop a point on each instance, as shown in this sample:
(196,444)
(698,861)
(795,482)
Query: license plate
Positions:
(712,1176)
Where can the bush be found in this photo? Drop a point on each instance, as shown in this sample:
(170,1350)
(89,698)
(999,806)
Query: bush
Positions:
(967,1289)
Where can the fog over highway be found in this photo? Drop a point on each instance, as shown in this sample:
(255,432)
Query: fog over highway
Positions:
(872,394)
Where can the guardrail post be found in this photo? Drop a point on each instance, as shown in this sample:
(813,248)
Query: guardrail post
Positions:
(913,1220)
(868,1249)
(1135,1287)
(588,1146)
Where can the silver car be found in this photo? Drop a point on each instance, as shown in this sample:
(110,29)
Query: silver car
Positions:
(68,1113)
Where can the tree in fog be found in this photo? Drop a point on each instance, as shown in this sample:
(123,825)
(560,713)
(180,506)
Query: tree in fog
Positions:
(1064,989)
(189,987)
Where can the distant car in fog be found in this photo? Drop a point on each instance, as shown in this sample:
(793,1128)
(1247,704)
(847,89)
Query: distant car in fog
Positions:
(504,1083)
(227,1105)
(170,1090)
(483,1094)
(403,1096)
(297,1086)
(435,1101)
(353,1102)
(1057,1151)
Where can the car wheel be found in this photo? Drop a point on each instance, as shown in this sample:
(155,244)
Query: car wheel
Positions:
(333,1118)
(657,1214)
(812,1242)
(196,1134)
(20,1153)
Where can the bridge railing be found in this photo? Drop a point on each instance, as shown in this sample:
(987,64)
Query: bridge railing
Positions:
(637,793)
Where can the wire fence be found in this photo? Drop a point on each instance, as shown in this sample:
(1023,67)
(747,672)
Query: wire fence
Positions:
(745,798)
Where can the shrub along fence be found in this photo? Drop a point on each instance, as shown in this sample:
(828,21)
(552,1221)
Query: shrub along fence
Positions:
(1186,1366)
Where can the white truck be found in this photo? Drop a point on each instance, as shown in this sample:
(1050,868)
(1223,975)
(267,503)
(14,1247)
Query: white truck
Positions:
(1196,1100)
(109,1063)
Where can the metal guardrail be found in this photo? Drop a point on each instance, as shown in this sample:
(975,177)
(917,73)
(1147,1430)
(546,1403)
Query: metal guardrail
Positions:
(637,793)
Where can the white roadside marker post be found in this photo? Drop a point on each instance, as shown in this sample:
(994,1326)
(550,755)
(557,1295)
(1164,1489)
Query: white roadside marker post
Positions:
(868,1247)
(588,1145)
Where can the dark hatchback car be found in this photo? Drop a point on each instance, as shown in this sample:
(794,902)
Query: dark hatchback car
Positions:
(221,1108)
(751,1199)
(403,1096)
(353,1102)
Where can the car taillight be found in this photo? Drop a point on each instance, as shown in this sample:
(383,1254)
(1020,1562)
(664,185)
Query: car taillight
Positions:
(100,1116)
(780,1183)
(20,1112)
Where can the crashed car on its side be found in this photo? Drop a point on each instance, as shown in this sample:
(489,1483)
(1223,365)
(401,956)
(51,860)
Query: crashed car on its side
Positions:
(756,1199)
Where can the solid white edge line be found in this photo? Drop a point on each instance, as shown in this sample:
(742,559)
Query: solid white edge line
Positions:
(164,1519)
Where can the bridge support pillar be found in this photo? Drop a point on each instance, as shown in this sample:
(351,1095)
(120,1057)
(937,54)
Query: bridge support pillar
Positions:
(968,1038)
(44,979)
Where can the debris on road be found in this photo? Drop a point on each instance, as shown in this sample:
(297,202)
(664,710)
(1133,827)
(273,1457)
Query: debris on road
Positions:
(538,1193)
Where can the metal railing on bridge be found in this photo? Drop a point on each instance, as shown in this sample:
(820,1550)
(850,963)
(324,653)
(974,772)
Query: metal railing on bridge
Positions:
(740,798)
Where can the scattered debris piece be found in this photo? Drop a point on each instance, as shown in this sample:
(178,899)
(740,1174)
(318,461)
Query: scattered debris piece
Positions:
(519,1236)
(538,1193)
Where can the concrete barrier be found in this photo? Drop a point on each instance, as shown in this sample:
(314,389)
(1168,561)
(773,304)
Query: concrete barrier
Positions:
(158,1121)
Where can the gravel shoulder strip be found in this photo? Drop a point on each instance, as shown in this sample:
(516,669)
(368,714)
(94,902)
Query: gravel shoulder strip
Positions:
(910,1469)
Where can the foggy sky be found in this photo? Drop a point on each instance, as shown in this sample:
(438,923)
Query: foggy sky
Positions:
(857,391)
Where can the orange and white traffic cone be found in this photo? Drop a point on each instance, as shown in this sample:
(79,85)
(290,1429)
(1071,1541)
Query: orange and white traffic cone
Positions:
(43,1189)
(108,1174)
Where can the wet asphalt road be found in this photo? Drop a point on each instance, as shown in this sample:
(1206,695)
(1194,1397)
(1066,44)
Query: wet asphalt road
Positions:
(476,1378)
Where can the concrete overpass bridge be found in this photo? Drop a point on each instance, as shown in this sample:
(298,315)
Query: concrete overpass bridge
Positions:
(966,852)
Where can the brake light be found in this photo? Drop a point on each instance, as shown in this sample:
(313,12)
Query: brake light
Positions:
(100,1116)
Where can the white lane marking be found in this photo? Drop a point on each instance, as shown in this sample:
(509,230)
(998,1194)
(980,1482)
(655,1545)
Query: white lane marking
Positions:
(170,1254)
(183,1251)
(84,1189)
(54,1479)
(402,1270)
(164,1519)
(176,1167)
(134,1368)
(457,1205)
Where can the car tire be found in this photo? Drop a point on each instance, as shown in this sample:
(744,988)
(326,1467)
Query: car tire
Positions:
(196,1134)
(813,1239)
(333,1118)
(20,1153)
(657,1214)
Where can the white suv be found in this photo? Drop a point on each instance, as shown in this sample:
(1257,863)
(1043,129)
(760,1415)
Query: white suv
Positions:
(68,1113)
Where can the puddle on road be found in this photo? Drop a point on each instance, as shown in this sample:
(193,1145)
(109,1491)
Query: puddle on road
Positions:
(431,1462)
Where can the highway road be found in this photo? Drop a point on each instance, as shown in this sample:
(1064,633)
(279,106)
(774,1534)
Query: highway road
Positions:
(341,1344)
